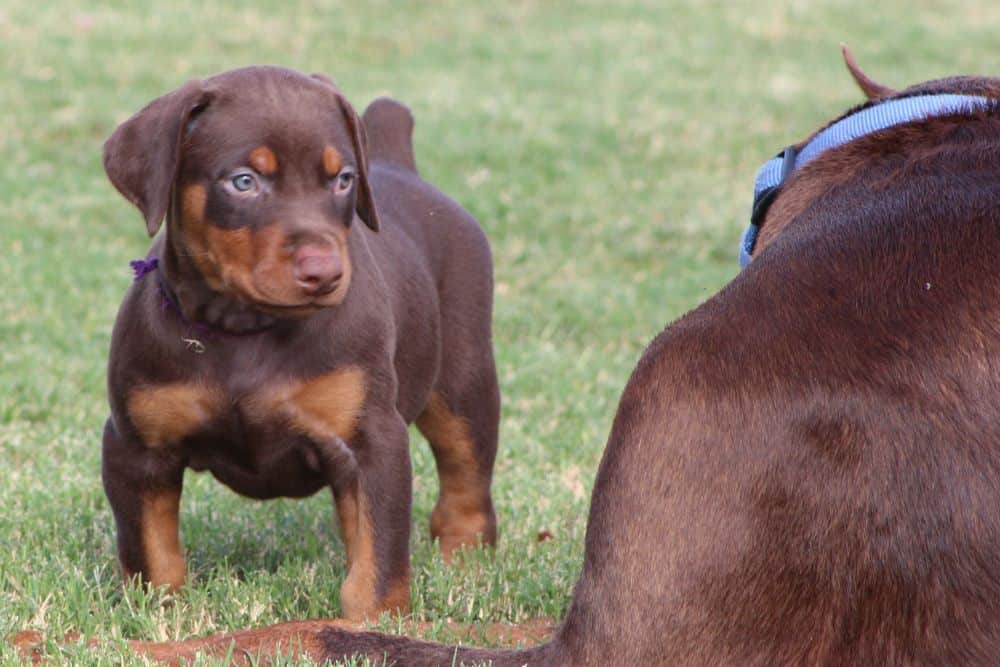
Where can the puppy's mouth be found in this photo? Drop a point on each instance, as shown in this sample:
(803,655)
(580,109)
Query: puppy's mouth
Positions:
(287,289)
(290,311)
(298,309)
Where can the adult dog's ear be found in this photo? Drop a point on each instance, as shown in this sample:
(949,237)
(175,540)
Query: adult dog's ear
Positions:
(141,156)
(872,89)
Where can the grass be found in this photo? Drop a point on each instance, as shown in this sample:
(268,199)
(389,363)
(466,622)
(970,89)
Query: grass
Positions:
(608,149)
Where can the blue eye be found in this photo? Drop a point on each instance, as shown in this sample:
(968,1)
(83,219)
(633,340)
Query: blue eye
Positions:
(244,182)
(345,179)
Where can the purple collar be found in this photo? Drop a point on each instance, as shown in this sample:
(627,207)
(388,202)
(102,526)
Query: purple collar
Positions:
(140,267)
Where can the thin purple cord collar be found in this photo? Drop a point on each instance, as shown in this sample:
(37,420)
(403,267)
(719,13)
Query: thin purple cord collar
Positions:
(141,267)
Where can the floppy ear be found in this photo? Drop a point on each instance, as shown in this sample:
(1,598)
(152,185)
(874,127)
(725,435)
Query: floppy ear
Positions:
(142,155)
(872,89)
(365,204)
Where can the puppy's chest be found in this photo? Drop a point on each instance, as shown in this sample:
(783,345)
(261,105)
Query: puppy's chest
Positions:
(248,420)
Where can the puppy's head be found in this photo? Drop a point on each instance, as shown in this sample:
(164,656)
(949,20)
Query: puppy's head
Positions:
(260,173)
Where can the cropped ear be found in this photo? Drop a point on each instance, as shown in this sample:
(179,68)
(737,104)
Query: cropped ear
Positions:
(142,155)
(873,90)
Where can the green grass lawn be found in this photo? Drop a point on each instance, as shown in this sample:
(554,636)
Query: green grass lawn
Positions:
(608,149)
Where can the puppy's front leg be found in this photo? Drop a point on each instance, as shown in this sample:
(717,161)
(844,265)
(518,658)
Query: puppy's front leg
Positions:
(373,494)
(143,487)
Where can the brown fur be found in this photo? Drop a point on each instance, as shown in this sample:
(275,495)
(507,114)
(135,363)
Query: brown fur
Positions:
(805,470)
(282,345)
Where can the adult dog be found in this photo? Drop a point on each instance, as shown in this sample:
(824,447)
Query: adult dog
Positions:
(806,468)
(276,341)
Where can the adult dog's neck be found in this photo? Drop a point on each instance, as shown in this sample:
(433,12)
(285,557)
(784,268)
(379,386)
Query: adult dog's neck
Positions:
(948,140)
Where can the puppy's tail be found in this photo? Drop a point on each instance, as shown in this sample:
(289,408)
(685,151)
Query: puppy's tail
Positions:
(389,125)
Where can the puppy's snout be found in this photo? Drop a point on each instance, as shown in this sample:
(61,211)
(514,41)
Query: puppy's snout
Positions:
(318,270)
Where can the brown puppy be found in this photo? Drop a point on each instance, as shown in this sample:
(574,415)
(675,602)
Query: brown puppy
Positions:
(805,470)
(310,298)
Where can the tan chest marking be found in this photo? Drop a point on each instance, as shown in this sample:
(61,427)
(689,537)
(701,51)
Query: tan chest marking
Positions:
(166,414)
(324,406)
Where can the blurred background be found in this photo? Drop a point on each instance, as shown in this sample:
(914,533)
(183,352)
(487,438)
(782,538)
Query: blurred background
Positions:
(607,148)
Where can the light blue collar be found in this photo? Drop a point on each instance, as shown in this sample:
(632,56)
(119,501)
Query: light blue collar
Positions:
(870,119)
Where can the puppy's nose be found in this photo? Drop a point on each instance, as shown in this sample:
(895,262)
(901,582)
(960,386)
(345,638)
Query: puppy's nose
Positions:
(318,270)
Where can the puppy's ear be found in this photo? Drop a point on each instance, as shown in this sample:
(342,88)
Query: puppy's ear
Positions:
(142,155)
(365,204)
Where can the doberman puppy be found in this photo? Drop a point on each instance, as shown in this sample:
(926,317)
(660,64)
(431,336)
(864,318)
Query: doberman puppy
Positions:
(805,470)
(310,297)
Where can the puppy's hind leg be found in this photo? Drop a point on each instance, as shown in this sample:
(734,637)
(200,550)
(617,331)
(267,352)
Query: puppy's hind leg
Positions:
(462,416)
(462,430)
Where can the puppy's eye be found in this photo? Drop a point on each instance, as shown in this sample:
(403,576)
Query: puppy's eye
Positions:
(345,180)
(244,182)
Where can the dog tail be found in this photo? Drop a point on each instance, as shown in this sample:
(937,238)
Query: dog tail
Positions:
(331,640)
(340,644)
(389,125)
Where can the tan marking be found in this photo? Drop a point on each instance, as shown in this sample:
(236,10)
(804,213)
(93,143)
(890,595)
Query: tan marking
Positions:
(161,539)
(232,258)
(347,514)
(235,254)
(166,414)
(397,596)
(358,595)
(264,160)
(333,162)
(193,202)
(228,257)
(255,264)
(196,230)
(460,518)
(324,406)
